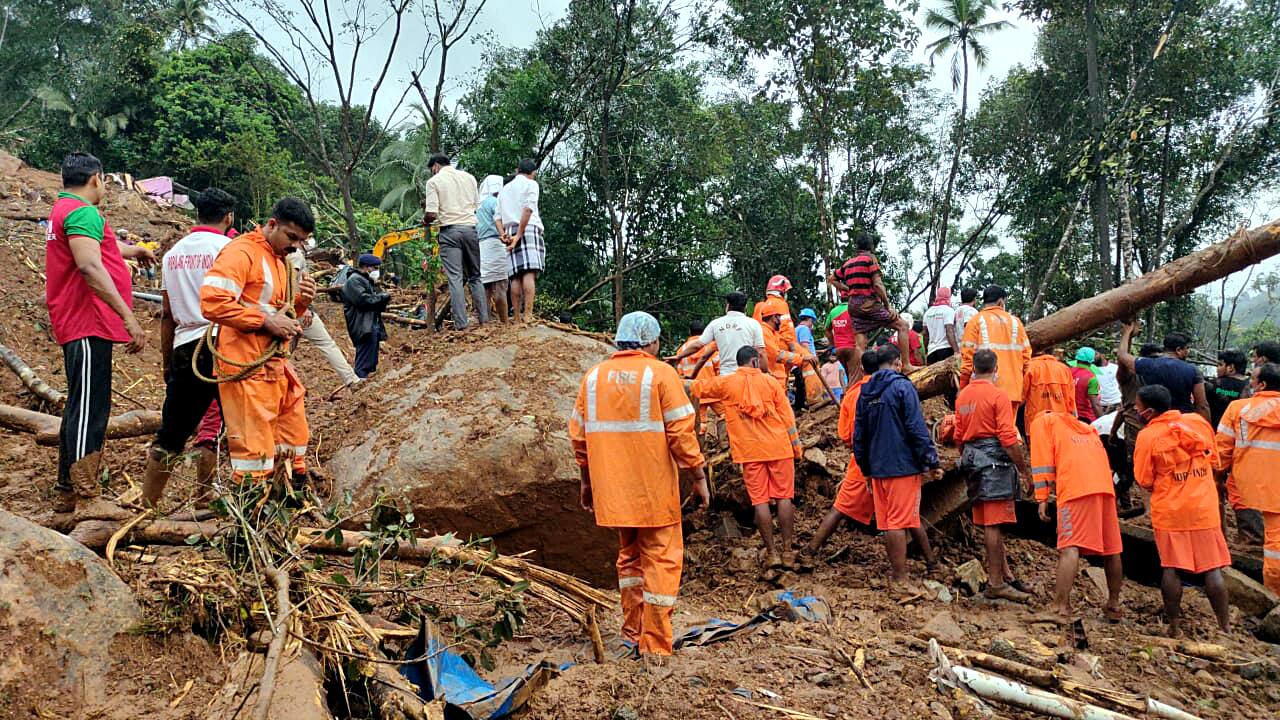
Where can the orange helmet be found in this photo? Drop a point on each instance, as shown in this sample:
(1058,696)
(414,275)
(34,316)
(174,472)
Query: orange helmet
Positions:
(779,283)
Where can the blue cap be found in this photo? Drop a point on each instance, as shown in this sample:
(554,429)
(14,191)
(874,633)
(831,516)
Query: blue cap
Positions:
(809,313)
(1086,355)
(370,260)
(638,327)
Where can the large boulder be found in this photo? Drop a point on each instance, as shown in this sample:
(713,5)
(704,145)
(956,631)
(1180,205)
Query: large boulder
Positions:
(61,609)
(477,443)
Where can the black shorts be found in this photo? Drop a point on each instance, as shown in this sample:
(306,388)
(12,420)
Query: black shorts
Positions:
(186,397)
(940,354)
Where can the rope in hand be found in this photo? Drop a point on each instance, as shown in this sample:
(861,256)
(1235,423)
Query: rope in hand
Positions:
(277,348)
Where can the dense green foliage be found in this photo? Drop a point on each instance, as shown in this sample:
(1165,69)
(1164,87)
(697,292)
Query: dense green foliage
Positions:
(687,153)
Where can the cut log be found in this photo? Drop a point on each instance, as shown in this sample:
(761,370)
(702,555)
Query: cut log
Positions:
(1248,594)
(45,427)
(1179,277)
(936,379)
(38,387)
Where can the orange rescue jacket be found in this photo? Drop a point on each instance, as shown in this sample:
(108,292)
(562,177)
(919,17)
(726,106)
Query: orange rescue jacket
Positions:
(1174,458)
(757,415)
(1047,387)
(1068,455)
(996,330)
(244,286)
(844,427)
(775,302)
(687,364)
(1249,446)
(781,356)
(983,411)
(633,427)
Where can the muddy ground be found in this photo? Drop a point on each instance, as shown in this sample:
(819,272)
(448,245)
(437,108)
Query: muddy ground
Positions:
(792,665)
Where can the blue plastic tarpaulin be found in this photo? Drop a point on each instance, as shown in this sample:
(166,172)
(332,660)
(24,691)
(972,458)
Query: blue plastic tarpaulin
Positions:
(444,675)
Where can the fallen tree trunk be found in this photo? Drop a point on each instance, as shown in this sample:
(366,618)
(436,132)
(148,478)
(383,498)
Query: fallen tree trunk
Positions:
(1179,277)
(1245,248)
(38,387)
(134,423)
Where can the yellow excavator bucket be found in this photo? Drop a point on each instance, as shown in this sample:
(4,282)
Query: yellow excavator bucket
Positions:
(397,237)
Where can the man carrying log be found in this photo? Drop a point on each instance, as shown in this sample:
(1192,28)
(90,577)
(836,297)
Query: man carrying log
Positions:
(994,329)
(1249,449)
(1068,461)
(895,451)
(89,294)
(187,398)
(632,431)
(764,441)
(1174,460)
(994,457)
(250,293)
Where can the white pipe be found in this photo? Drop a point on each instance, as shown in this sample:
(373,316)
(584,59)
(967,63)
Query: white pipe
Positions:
(1160,710)
(147,296)
(994,687)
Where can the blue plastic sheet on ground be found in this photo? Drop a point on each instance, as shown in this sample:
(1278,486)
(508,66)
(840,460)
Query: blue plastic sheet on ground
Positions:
(778,605)
(441,674)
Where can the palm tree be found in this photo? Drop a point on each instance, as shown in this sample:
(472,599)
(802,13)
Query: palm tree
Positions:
(191,20)
(964,25)
(401,173)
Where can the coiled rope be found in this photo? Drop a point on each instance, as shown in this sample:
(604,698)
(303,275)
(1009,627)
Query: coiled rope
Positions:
(276,349)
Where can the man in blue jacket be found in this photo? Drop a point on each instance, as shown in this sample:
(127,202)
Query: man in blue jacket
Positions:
(894,450)
(364,300)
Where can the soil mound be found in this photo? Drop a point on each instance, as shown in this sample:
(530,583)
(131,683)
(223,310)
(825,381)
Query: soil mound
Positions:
(476,441)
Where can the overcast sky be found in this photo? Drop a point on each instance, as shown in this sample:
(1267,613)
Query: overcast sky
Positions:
(514,23)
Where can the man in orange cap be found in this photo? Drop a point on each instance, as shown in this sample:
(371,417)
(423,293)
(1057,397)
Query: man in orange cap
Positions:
(1249,449)
(1047,386)
(1067,456)
(775,299)
(763,439)
(245,293)
(782,355)
(1174,460)
(632,431)
(994,455)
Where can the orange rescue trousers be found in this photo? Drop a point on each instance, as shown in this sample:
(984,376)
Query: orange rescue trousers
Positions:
(1271,551)
(265,418)
(649,563)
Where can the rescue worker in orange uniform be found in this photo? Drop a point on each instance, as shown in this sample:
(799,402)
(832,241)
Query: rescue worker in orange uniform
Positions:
(1174,459)
(994,329)
(993,454)
(782,355)
(775,299)
(696,364)
(1067,459)
(763,439)
(245,294)
(1047,386)
(1249,449)
(632,431)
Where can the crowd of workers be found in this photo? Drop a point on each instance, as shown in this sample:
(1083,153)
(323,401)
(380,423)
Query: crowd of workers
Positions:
(1025,422)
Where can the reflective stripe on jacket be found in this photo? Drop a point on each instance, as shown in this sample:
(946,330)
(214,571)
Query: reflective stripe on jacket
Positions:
(996,330)
(1248,442)
(633,427)
(245,284)
(1068,457)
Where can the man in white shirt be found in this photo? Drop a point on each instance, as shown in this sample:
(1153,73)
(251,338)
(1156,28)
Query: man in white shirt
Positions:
(1108,383)
(940,323)
(450,202)
(967,310)
(730,332)
(518,210)
(186,397)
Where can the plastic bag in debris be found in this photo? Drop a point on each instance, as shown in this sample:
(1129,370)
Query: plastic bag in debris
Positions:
(777,605)
(444,675)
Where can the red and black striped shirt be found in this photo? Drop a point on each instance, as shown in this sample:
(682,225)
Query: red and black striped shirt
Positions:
(858,274)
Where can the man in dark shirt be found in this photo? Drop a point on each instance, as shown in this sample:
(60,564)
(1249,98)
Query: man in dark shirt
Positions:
(1171,370)
(1266,352)
(1230,385)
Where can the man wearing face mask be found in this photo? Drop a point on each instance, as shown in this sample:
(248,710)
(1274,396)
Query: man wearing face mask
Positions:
(363,302)
(245,294)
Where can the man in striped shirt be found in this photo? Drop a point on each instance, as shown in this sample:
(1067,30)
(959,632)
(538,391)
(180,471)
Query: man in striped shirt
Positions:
(862,286)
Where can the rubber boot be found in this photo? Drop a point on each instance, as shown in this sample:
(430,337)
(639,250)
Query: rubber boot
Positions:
(85,476)
(156,476)
(206,469)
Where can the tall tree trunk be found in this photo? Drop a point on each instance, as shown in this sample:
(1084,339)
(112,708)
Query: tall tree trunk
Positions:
(438,100)
(1126,231)
(349,211)
(935,277)
(1100,201)
(1037,305)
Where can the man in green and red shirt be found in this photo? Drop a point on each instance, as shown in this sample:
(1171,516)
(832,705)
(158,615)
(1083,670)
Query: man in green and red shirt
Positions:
(89,293)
